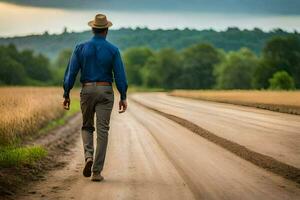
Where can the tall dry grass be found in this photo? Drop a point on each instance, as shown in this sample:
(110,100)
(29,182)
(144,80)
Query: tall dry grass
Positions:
(24,110)
(282,101)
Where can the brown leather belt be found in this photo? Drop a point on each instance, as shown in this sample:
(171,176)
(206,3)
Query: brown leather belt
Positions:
(96,83)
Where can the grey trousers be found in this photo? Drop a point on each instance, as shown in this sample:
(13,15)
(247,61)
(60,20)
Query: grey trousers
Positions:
(99,100)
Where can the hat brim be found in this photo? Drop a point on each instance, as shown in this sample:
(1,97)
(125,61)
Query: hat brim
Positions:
(93,25)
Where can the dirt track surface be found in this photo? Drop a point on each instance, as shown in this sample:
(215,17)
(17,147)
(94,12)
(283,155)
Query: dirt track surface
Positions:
(152,157)
(270,133)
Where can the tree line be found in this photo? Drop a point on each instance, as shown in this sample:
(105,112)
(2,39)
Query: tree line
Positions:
(202,66)
(231,39)
(199,66)
(23,67)
(27,67)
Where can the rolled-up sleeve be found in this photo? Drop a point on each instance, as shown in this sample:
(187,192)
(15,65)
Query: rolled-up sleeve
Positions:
(71,72)
(120,75)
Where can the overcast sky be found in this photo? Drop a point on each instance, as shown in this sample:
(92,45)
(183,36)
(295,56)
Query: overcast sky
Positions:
(54,15)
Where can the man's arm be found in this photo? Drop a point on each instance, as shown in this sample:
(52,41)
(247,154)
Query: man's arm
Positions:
(121,82)
(70,77)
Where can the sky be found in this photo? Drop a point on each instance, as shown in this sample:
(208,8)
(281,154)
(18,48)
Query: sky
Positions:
(18,20)
(240,6)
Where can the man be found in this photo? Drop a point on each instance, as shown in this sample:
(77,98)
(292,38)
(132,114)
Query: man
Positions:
(98,60)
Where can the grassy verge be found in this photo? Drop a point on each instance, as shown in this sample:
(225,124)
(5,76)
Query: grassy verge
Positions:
(27,113)
(15,155)
(279,101)
(18,156)
(74,108)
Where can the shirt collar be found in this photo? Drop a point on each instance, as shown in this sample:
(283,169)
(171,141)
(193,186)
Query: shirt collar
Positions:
(98,37)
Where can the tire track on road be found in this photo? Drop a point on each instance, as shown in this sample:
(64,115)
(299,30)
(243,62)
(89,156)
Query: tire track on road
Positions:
(193,188)
(266,162)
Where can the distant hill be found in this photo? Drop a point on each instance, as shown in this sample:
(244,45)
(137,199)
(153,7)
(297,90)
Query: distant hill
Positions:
(231,39)
(248,6)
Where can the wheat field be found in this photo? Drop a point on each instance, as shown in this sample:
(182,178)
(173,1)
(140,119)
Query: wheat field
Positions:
(24,110)
(282,101)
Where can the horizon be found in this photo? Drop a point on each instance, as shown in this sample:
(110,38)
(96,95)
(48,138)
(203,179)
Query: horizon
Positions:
(145,28)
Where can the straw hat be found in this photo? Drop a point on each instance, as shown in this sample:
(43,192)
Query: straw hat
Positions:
(100,22)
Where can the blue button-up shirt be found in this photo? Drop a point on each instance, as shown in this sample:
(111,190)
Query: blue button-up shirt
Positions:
(98,60)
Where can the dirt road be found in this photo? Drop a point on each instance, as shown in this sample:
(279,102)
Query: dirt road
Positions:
(271,133)
(152,157)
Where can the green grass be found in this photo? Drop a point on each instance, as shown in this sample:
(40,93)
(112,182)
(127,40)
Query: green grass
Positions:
(14,155)
(74,108)
(19,156)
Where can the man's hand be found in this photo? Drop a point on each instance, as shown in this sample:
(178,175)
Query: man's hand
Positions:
(67,103)
(122,106)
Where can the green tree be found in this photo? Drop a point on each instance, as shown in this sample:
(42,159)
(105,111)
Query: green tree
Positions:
(134,60)
(23,68)
(198,65)
(281,80)
(162,69)
(280,53)
(236,71)
(60,65)
(12,52)
(11,72)
(63,59)
(262,73)
(36,67)
(149,72)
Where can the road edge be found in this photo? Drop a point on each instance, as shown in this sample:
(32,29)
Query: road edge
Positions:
(58,141)
(287,109)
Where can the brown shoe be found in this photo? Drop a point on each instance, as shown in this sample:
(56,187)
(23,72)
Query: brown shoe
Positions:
(97,177)
(87,171)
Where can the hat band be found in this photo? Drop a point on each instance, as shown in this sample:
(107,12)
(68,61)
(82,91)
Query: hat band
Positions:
(100,24)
